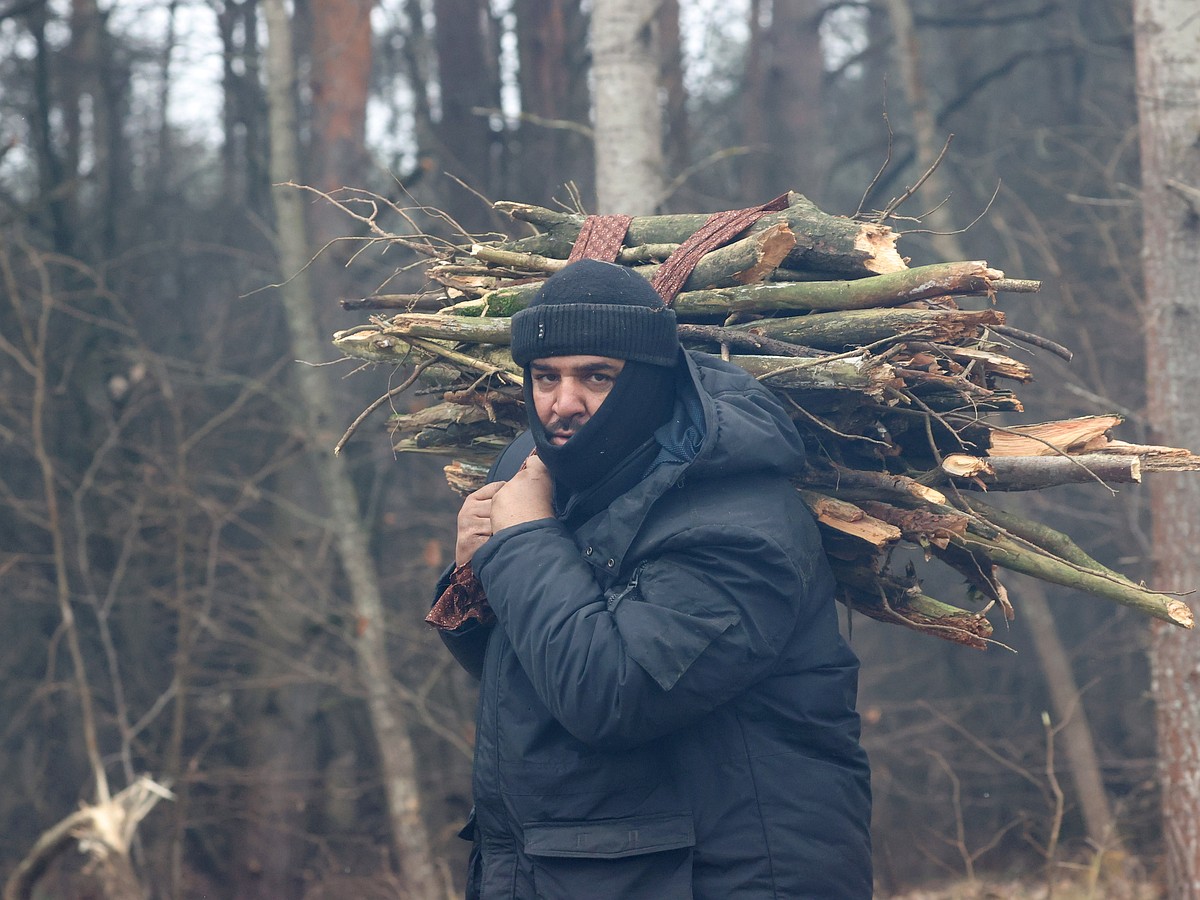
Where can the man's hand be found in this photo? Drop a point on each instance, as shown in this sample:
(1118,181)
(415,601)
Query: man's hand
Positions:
(475,522)
(527,496)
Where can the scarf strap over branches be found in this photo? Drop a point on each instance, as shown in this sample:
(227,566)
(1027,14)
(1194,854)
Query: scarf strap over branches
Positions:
(601,237)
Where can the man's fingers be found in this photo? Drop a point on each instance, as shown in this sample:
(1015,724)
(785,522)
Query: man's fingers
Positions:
(487,492)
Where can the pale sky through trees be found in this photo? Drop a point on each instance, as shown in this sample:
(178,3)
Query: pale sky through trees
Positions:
(712,30)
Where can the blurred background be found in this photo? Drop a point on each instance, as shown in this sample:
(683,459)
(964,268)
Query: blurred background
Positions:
(185,593)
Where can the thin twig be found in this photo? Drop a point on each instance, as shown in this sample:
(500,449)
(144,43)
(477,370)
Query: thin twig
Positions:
(400,389)
(894,205)
(1034,340)
(883,168)
(821,423)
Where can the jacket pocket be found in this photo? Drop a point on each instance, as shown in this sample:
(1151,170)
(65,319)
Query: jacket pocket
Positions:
(636,857)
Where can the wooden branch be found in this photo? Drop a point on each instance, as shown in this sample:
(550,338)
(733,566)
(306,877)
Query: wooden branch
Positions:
(848,519)
(823,242)
(103,831)
(448,328)
(920,526)
(743,262)
(723,267)
(861,373)
(892,289)
(410,302)
(376,345)
(1034,473)
(879,485)
(1034,340)
(715,334)
(995,364)
(465,477)
(887,598)
(858,328)
(1099,580)
(1044,438)
(1154,459)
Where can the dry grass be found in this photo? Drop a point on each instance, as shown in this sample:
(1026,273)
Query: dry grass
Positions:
(1084,885)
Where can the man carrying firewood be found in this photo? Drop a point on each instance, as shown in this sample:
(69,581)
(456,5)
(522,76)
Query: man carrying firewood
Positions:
(666,706)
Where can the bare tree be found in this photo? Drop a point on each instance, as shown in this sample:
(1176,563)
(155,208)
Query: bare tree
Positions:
(1168,81)
(909,60)
(398,759)
(628,119)
(783,113)
(554,143)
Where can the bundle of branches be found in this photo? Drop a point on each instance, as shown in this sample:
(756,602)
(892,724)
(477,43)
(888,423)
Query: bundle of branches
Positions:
(895,386)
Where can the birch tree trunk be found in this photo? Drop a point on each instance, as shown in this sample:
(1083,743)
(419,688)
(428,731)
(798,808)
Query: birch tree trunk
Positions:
(1168,92)
(928,143)
(396,753)
(628,119)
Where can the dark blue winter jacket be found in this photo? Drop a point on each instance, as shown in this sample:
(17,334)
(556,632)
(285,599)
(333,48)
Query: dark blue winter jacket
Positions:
(667,707)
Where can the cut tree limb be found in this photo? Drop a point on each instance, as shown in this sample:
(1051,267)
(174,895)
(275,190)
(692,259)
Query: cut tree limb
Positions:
(851,520)
(104,832)
(826,243)
(1044,438)
(1033,473)
(698,300)
(1099,580)
(858,328)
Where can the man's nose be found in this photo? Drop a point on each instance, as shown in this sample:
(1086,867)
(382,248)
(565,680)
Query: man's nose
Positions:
(570,400)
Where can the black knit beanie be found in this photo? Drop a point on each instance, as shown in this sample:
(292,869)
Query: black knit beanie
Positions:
(594,308)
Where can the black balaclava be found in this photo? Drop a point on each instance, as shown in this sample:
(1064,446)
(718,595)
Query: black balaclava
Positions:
(641,399)
(593,308)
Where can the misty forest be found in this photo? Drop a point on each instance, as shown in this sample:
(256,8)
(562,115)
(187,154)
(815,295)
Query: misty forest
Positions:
(216,680)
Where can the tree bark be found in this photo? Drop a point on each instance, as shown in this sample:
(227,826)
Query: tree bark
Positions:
(833,244)
(552,47)
(468,78)
(782,103)
(1035,473)
(860,327)
(1167,35)
(340,82)
(676,143)
(628,121)
(395,747)
(928,145)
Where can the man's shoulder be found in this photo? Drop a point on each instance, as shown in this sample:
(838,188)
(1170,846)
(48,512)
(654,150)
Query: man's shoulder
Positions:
(759,500)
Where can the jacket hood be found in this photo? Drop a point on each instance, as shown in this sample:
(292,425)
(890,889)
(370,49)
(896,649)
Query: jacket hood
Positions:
(744,427)
(730,425)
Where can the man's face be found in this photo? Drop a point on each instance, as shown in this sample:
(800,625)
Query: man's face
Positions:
(567,391)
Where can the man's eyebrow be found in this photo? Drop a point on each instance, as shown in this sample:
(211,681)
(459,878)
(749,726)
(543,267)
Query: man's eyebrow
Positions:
(585,369)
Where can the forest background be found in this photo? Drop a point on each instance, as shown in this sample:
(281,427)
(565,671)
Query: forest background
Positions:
(183,590)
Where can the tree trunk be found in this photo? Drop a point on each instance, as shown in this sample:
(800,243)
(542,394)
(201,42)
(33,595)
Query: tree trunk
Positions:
(467,77)
(411,842)
(676,142)
(1070,715)
(928,143)
(552,43)
(1168,90)
(782,106)
(628,121)
(340,82)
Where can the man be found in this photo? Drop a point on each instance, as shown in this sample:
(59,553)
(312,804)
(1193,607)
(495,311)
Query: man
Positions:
(667,707)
